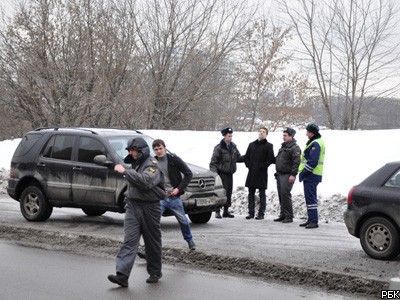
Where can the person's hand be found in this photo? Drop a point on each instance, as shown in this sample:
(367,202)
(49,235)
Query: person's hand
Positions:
(292,179)
(119,169)
(175,192)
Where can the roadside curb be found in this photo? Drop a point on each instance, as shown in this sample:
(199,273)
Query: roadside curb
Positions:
(264,270)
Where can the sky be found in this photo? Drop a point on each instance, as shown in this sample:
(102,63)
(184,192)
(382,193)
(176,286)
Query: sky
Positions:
(350,155)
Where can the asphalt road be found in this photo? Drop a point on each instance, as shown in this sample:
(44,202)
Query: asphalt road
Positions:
(327,249)
(43,274)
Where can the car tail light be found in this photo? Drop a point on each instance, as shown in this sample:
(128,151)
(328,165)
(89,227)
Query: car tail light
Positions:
(350,195)
(12,173)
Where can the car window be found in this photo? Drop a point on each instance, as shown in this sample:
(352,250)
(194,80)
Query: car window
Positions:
(394,181)
(27,143)
(59,147)
(89,148)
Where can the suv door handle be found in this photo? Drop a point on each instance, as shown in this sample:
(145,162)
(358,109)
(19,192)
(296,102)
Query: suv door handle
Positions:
(42,165)
(77,168)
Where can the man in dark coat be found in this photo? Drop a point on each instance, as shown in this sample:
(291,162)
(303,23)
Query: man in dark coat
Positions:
(259,156)
(287,164)
(223,162)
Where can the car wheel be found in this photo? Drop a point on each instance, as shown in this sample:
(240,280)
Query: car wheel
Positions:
(201,218)
(34,205)
(380,238)
(93,212)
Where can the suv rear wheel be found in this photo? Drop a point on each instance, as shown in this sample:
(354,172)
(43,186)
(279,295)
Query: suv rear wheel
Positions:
(379,238)
(34,206)
(200,218)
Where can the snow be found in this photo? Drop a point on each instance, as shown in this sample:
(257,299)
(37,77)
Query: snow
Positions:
(350,157)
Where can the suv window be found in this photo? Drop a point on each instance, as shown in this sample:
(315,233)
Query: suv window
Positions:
(89,148)
(27,143)
(59,147)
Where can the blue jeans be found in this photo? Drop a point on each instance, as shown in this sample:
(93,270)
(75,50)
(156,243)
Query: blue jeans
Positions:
(174,204)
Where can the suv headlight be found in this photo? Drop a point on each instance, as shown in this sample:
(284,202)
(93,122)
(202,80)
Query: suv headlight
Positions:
(218,181)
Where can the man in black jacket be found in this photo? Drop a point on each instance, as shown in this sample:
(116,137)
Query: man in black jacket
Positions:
(287,164)
(173,167)
(259,156)
(223,162)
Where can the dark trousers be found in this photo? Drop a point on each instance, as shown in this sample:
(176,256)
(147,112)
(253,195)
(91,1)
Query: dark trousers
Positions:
(285,197)
(141,219)
(227,182)
(310,193)
(252,201)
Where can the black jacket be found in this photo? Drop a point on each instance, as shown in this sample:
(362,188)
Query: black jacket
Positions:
(288,158)
(223,159)
(177,167)
(259,156)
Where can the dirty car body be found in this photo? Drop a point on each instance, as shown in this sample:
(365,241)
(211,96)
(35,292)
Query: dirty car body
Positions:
(373,212)
(55,167)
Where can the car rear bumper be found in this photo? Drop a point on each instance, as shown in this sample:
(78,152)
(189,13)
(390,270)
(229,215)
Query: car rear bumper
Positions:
(11,188)
(350,219)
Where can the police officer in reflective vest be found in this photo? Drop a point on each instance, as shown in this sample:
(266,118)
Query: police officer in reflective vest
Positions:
(310,172)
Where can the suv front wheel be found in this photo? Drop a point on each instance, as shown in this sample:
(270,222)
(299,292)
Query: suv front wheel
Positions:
(34,206)
(379,238)
(201,218)
(93,212)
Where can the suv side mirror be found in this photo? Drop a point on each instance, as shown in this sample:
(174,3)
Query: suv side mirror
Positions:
(102,160)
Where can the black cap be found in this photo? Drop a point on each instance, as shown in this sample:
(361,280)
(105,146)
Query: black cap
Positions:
(313,128)
(290,131)
(227,130)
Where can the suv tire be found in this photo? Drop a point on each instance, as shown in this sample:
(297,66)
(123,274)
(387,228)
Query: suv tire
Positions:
(93,212)
(34,205)
(379,238)
(201,218)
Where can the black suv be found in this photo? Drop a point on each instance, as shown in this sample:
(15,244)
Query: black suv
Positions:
(74,167)
(373,212)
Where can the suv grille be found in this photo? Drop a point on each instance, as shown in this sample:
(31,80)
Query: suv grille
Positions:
(201,183)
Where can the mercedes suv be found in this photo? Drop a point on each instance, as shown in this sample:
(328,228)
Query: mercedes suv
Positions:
(74,167)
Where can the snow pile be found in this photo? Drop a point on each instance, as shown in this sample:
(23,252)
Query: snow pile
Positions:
(330,209)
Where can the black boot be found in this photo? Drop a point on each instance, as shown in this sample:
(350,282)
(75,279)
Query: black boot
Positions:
(227,214)
(218,214)
(119,279)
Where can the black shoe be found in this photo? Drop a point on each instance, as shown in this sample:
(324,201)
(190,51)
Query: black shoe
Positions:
(250,217)
(141,255)
(287,221)
(312,225)
(304,224)
(153,278)
(227,215)
(192,245)
(218,215)
(260,217)
(119,279)
(280,219)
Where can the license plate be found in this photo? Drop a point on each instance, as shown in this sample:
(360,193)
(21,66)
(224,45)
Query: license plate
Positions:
(204,202)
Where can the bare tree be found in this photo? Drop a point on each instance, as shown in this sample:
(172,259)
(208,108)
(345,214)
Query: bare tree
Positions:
(266,90)
(183,45)
(351,47)
(63,63)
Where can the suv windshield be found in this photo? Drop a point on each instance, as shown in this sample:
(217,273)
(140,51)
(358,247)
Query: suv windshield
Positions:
(119,144)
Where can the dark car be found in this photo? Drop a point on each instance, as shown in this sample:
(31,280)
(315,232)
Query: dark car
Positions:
(74,167)
(373,212)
